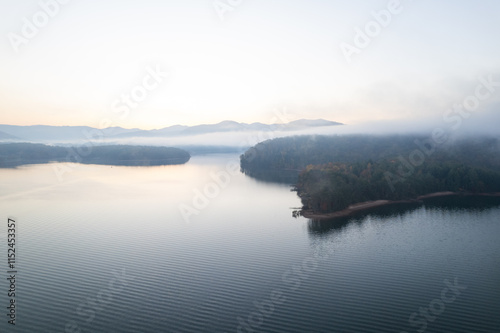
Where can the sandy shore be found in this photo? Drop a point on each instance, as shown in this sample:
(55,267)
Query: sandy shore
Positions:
(377,203)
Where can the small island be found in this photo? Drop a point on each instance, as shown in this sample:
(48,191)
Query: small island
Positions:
(341,175)
(16,154)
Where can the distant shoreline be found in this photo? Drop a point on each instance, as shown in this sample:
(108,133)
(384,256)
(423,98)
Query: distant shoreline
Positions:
(13,155)
(361,206)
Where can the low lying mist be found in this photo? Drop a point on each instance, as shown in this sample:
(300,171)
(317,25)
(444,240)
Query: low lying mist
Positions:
(455,124)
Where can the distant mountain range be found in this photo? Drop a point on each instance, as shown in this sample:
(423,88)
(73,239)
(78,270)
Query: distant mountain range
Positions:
(42,133)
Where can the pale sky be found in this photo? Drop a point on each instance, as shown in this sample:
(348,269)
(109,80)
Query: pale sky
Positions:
(86,58)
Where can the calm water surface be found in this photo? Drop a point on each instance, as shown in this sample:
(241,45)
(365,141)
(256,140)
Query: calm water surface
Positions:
(106,249)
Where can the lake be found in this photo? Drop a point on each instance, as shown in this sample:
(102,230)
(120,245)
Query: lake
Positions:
(201,247)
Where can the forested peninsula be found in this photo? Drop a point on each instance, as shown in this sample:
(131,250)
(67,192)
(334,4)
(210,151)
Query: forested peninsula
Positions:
(16,154)
(342,174)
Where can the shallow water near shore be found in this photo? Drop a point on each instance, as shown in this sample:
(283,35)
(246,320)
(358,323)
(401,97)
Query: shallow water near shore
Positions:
(108,250)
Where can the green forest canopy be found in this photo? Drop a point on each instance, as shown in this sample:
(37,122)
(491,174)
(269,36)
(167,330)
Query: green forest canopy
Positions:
(337,171)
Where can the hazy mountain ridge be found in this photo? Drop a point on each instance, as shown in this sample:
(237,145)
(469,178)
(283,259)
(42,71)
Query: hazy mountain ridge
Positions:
(228,126)
(69,133)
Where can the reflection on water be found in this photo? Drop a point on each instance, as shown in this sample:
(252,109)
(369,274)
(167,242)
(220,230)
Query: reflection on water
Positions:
(467,203)
(274,176)
(318,227)
(376,268)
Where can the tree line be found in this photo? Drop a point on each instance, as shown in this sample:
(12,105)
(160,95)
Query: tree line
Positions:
(336,171)
(15,154)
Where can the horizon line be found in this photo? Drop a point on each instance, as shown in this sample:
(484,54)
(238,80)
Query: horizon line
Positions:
(200,124)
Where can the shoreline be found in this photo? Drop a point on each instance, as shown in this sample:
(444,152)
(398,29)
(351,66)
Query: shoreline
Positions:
(361,206)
